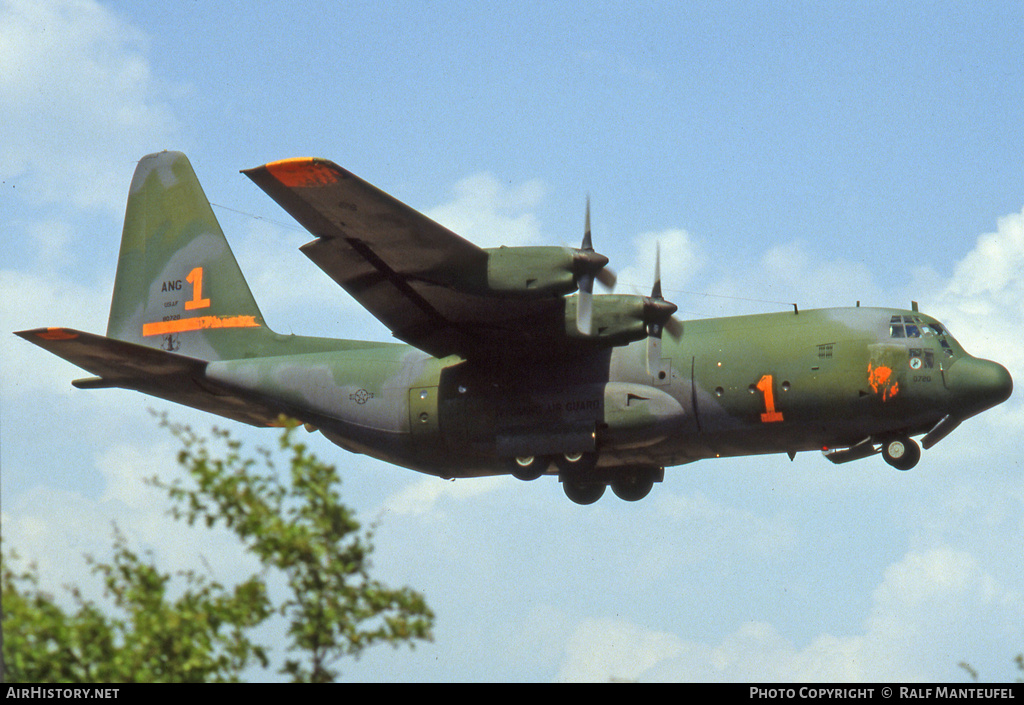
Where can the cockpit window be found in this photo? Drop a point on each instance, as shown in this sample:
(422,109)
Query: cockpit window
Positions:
(896,329)
(917,327)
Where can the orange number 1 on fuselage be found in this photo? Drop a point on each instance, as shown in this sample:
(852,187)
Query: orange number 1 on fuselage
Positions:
(770,415)
(195,278)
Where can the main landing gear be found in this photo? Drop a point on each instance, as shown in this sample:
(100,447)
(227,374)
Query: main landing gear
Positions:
(530,467)
(630,483)
(634,484)
(582,492)
(902,452)
(588,486)
(527,467)
(581,479)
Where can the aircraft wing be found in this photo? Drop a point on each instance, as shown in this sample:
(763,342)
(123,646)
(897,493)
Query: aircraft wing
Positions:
(152,371)
(424,282)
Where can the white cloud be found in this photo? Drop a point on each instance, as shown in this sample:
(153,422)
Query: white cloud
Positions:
(293,294)
(983,302)
(601,650)
(56,527)
(37,300)
(923,612)
(793,273)
(681,260)
(992,270)
(426,497)
(715,528)
(489,213)
(983,306)
(80,102)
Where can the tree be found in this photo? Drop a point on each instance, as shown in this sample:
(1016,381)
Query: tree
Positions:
(200,636)
(301,529)
(973,673)
(296,526)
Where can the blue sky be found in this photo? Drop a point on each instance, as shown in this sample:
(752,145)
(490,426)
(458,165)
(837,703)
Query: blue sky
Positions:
(818,153)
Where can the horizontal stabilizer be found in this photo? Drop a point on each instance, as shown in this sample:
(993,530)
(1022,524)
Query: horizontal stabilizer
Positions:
(111,359)
(177,378)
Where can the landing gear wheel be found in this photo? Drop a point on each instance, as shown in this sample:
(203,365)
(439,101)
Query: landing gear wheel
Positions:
(634,485)
(526,467)
(902,453)
(576,463)
(583,492)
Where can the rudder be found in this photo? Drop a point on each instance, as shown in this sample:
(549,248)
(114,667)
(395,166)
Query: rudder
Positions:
(178,286)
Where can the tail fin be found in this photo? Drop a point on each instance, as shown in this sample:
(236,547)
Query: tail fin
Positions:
(178,286)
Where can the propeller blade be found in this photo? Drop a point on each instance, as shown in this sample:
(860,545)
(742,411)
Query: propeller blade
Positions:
(674,327)
(657,311)
(585,305)
(588,243)
(591,264)
(607,278)
(656,289)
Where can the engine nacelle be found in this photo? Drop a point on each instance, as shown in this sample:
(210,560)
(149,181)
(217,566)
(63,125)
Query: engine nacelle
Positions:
(530,271)
(618,319)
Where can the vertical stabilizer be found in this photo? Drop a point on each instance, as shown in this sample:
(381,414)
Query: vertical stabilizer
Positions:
(178,286)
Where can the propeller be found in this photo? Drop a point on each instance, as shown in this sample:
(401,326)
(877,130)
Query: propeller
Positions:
(658,313)
(589,265)
(658,317)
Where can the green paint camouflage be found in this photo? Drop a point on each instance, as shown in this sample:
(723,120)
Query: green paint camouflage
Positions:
(612,406)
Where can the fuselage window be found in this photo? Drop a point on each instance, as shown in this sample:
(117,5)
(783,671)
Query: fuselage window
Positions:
(921,359)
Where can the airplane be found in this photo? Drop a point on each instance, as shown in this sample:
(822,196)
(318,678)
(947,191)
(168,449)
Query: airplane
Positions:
(509,363)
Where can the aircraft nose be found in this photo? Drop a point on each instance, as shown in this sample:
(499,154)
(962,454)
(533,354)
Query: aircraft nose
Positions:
(979,384)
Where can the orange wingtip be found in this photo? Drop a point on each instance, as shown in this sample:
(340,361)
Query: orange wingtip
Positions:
(303,172)
(57,334)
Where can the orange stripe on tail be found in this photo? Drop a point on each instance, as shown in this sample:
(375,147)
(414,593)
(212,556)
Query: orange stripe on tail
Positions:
(182,325)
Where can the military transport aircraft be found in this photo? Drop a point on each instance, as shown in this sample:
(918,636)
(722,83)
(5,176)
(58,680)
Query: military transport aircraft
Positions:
(510,363)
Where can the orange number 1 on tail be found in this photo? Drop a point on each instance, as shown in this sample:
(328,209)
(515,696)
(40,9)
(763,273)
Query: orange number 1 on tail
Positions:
(195,278)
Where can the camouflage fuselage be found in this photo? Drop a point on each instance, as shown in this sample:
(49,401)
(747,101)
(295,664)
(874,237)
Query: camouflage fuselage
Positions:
(783,382)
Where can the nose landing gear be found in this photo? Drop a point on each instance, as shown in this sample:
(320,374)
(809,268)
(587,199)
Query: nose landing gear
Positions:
(902,453)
